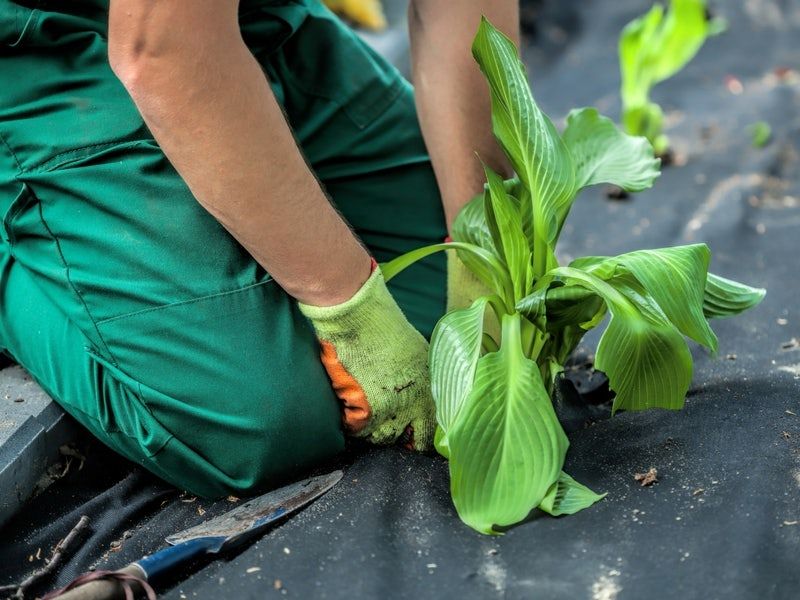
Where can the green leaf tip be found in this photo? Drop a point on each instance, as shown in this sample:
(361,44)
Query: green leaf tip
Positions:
(566,497)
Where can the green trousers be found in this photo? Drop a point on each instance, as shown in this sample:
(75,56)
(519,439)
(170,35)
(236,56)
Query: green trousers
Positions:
(131,305)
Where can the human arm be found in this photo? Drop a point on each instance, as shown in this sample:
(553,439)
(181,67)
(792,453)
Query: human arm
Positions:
(452,96)
(209,106)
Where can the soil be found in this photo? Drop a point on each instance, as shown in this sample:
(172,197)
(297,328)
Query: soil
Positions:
(378,533)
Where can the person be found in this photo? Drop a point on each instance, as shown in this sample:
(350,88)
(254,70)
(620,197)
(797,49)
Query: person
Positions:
(195,196)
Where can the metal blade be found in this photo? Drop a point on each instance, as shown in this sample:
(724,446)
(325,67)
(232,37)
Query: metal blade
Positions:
(252,516)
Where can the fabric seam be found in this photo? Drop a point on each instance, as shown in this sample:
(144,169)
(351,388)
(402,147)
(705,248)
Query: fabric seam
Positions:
(12,153)
(32,21)
(184,302)
(70,283)
(76,153)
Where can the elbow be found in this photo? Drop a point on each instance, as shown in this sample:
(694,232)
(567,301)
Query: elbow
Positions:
(137,48)
(129,72)
(128,63)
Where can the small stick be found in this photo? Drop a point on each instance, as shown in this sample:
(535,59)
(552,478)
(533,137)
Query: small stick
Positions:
(58,553)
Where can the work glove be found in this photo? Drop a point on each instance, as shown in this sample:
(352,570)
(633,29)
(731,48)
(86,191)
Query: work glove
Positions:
(463,288)
(378,366)
(366,13)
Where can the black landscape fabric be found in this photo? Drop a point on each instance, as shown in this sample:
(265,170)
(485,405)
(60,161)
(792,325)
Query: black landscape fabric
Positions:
(723,519)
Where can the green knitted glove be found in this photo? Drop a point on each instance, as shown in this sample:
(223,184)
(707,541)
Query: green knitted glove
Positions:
(378,366)
(463,288)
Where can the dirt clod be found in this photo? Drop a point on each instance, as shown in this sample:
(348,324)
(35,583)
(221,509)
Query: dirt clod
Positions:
(400,388)
(647,479)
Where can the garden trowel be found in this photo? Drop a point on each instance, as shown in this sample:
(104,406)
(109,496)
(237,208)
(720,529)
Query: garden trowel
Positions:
(215,535)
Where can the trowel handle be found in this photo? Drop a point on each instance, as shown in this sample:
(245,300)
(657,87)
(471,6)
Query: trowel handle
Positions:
(106,589)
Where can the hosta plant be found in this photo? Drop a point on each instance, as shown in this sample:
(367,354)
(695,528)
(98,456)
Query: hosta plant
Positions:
(493,393)
(653,48)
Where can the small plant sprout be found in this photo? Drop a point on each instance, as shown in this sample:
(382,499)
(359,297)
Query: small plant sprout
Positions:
(496,421)
(760,134)
(653,48)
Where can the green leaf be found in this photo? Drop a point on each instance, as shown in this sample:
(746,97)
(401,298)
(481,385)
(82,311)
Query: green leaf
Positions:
(603,154)
(658,45)
(674,278)
(454,353)
(523,198)
(555,307)
(644,355)
(725,297)
(470,225)
(505,223)
(566,497)
(573,306)
(760,134)
(652,48)
(530,140)
(646,120)
(440,442)
(506,446)
(634,55)
(483,264)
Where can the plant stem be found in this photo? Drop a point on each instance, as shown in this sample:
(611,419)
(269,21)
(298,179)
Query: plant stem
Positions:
(528,332)
(540,250)
(489,344)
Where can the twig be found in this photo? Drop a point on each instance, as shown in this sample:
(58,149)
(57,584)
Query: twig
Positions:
(50,565)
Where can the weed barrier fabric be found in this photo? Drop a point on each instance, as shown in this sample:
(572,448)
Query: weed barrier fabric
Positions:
(723,520)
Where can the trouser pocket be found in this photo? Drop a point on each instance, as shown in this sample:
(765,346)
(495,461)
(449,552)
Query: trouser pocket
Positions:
(32,245)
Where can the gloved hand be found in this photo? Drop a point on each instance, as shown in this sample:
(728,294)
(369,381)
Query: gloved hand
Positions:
(463,288)
(367,13)
(378,365)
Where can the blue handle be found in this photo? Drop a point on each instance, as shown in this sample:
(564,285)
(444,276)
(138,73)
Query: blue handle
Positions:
(174,556)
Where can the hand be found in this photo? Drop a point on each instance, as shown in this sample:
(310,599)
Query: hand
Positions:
(378,365)
(463,288)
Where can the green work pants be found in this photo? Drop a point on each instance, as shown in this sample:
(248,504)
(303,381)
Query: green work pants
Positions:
(131,305)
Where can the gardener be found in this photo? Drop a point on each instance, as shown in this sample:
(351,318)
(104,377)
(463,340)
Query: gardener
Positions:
(168,248)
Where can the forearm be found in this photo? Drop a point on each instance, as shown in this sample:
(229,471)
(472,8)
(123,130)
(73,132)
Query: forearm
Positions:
(451,95)
(209,106)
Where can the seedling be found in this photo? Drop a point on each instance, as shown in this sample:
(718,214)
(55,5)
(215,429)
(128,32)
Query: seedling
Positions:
(760,134)
(493,395)
(653,48)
